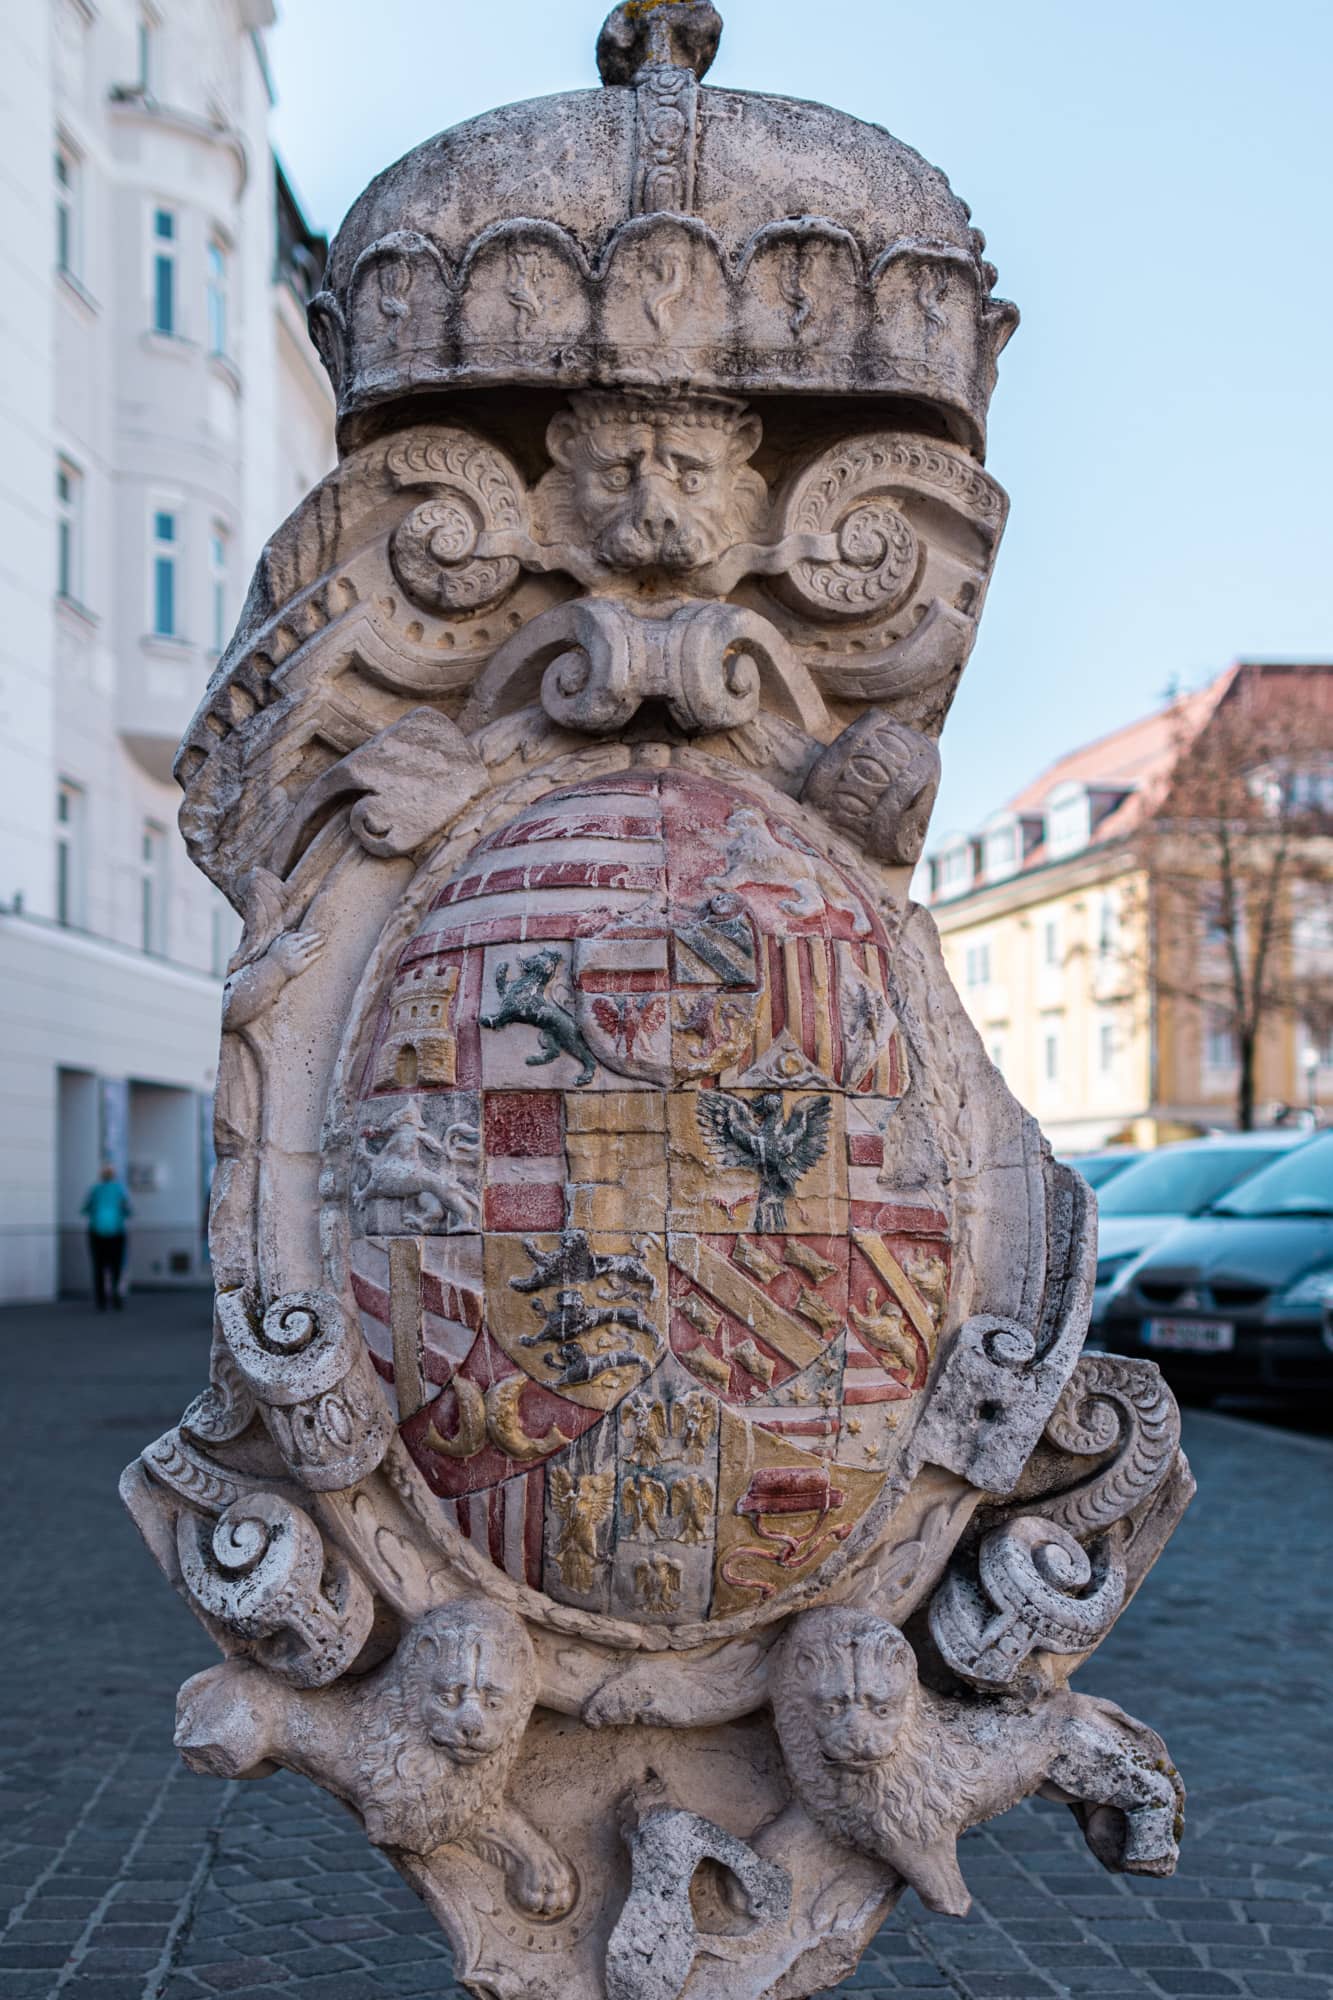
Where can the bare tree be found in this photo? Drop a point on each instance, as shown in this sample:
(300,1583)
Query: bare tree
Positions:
(1238,865)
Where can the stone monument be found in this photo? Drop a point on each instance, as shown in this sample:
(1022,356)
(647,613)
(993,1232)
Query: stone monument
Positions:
(649,1469)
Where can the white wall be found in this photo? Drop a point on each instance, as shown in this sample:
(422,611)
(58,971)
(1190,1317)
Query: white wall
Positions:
(87,694)
(27,470)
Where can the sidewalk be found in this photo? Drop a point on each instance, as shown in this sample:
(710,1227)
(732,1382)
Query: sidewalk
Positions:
(123,1877)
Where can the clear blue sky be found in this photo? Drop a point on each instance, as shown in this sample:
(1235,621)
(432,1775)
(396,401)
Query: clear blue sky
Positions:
(1154,181)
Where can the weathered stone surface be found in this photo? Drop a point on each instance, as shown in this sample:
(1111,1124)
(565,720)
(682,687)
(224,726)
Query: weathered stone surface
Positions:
(648,1331)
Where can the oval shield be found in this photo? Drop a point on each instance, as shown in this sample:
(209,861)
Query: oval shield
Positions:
(622,1241)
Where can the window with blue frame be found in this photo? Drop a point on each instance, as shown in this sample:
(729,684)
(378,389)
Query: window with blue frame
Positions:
(164,563)
(164,270)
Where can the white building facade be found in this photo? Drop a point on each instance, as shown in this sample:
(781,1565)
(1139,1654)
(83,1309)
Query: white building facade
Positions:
(161,410)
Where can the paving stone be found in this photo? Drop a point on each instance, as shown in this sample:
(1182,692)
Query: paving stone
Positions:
(293,1905)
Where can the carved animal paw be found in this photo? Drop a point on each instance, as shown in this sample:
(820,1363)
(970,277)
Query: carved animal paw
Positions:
(1150,1846)
(626,1699)
(542,1884)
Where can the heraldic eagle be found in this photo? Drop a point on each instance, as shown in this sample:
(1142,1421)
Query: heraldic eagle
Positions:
(754,1134)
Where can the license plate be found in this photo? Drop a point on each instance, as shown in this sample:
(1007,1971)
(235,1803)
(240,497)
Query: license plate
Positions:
(1204,1336)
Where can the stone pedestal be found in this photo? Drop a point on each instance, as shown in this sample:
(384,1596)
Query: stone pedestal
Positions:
(649,1470)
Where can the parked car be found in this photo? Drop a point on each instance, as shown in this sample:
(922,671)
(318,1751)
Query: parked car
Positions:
(1099,1168)
(1238,1299)
(1162,1189)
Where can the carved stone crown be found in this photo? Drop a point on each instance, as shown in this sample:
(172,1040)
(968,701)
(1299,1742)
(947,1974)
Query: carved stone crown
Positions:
(663,234)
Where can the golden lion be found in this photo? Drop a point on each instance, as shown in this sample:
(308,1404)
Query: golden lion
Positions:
(422,1748)
(891,1768)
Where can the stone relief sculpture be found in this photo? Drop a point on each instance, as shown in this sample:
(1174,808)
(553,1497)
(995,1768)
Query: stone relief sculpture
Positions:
(648,1468)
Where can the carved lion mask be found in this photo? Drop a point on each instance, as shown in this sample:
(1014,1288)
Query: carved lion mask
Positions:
(659,485)
(470,1672)
(853,1679)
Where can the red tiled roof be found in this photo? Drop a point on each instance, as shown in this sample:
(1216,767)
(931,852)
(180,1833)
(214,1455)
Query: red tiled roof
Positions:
(1130,758)
(1139,758)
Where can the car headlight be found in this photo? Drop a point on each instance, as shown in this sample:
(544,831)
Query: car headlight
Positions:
(1111,1267)
(1314,1289)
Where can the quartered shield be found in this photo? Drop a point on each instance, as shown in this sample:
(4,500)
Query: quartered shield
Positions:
(628,1245)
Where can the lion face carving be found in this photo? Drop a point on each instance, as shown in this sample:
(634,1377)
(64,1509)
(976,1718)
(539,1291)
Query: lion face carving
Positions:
(856,1686)
(474,1684)
(446,1726)
(649,484)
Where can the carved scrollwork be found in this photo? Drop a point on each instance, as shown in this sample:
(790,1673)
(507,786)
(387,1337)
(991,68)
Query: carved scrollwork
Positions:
(651,1951)
(594,662)
(178,1465)
(877,784)
(321,1401)
(438,550)
(262,1571)
(859,493)
(1111,1404)
(403,786)
(1036,1589)
(999,1382)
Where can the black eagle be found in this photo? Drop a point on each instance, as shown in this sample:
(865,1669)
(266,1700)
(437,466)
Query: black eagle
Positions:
(753,1133)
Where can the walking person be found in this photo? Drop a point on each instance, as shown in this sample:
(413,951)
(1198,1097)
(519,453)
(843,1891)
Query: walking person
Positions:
(107,1208)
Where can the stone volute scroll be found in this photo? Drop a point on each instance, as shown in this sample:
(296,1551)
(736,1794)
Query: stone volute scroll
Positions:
(647,1470)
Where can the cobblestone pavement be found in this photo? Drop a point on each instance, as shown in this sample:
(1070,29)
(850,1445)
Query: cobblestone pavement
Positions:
(122,1877)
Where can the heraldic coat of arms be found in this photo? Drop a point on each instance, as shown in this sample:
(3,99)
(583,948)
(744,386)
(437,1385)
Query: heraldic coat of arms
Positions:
(649,1470)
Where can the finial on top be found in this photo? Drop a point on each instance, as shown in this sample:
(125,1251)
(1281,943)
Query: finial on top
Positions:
(647,34)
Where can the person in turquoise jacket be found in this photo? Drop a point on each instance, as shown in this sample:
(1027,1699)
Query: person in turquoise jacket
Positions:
(107,1208)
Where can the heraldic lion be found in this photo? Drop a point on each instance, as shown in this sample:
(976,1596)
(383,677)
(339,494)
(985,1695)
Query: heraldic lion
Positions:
(891,1768)
(422,1748)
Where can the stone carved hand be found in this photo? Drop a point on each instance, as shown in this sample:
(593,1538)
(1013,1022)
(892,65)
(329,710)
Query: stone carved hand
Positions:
(296,951)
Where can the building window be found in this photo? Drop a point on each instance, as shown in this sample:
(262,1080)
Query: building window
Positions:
(955,869)
(1312,921)
(163,576)
(218,568)
(978,965)
(1068,820)
(1000,851)
(69,853)
(164,270)
(1108,925)
(69,531)
(996,1053)
(219,273)
(68,190)
(1106,1048)
(1219,1043)
(1050,941)
(1050,1055)
(1213,923)
(153,888)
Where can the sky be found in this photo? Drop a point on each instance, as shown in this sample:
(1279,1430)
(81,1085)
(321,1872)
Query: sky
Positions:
(1154,181)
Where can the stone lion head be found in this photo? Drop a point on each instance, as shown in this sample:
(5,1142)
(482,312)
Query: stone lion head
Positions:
(445,1725)
(469,1675)
(648,483)
(846,1688)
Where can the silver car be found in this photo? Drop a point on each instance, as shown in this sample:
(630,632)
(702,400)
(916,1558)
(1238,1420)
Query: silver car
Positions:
(1140,1205)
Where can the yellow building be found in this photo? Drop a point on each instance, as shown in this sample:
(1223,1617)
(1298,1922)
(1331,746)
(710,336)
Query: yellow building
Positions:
(1055,930)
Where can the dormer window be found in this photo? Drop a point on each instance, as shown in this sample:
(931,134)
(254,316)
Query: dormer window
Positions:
(1000,851)
(1068,820)
(953,869)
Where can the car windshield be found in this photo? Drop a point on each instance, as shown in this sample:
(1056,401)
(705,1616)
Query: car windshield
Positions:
(1182,1180)
(1301,1183)
(1099,1168)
